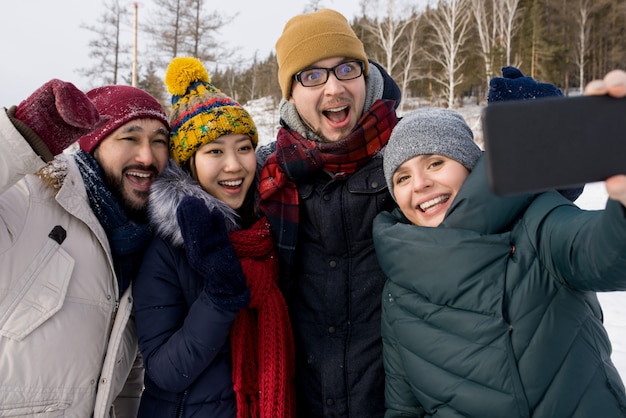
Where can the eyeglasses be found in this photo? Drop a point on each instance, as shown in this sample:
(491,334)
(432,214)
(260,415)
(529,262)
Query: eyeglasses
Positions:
(312,77)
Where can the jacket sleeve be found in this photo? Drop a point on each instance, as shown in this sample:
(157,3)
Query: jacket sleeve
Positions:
(177,342)
(587,249)
(399,398)
(17,158)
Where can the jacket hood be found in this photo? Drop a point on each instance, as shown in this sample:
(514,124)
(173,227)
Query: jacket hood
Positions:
(166,193)
(478,209)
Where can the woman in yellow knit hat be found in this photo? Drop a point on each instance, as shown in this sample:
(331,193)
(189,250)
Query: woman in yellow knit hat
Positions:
(212,324)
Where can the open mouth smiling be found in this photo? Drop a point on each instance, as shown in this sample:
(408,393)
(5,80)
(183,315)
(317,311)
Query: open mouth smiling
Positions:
(337,114)
(139,177)
(231,183)
(428,205)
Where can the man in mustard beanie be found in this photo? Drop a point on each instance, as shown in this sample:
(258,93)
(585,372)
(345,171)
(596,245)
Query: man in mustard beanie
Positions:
(311,37)
(321,186)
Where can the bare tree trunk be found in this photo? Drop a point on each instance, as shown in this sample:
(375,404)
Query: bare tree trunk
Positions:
(533,55)
(176,28)
(510,13)
(582,20)
(107,46)
(136,17)
(450,22)
(116,55)
(411,49)
(486,20)
(387,34)
(196,29)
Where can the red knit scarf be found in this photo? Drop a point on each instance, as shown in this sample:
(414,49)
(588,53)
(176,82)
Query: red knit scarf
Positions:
(297,157)
(261,338)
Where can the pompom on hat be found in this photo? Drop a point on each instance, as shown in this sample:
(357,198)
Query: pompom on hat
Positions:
(514,85)
(201,113)
(117,105)
(430,130)
(312,37)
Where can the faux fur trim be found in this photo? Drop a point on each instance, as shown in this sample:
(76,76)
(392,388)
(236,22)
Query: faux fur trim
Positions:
(166,193)
(53,173)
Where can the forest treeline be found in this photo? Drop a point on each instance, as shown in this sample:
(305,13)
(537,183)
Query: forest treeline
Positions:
(441,52)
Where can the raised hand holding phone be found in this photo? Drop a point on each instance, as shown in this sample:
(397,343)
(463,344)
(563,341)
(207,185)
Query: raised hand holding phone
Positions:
(613,84)
(556,142)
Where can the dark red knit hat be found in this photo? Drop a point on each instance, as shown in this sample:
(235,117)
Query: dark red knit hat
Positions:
(119,105)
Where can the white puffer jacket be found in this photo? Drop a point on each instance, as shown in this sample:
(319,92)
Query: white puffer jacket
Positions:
(67,342)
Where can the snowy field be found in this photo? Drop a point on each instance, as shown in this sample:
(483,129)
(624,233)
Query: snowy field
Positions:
(265,114)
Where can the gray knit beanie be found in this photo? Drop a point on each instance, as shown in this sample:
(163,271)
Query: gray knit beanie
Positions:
(430,130)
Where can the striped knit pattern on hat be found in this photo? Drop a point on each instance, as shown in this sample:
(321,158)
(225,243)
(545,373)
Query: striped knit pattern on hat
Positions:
(201,113)
(312,37)
(119,105)
(430,130)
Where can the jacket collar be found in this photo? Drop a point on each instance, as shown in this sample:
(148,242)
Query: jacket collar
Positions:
(476,208)
(166,193)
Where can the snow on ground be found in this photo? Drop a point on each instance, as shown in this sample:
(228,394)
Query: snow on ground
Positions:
(265,114)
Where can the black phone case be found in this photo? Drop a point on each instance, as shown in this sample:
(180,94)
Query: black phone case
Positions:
(553,142)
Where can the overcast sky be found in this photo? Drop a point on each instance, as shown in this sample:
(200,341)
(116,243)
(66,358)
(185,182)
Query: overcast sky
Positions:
(42,39)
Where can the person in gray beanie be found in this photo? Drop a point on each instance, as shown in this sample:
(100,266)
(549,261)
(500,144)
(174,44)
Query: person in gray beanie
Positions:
(430,130)
(489,309)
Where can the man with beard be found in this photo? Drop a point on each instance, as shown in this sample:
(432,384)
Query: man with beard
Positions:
(72,234)
(320,189)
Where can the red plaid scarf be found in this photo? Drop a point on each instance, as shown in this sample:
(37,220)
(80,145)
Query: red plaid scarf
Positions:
(297,157)
(261,338)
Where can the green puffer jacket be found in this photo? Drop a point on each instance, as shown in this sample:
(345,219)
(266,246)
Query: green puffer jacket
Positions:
(493,313)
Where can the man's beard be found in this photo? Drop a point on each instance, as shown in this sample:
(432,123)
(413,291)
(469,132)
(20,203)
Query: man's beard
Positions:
(131,209)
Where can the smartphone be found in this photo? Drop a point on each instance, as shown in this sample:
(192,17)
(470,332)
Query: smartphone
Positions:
(553,142)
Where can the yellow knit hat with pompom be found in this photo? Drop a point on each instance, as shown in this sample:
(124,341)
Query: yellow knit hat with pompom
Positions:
(201,113)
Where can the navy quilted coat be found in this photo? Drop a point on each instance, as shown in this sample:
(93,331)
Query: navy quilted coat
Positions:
(183,335)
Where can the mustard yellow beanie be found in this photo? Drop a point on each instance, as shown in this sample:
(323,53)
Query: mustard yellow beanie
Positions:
(201,113)
(311,37)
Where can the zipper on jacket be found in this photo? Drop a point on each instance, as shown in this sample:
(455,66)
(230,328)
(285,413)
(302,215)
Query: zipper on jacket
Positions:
(180,406)
(114,315)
